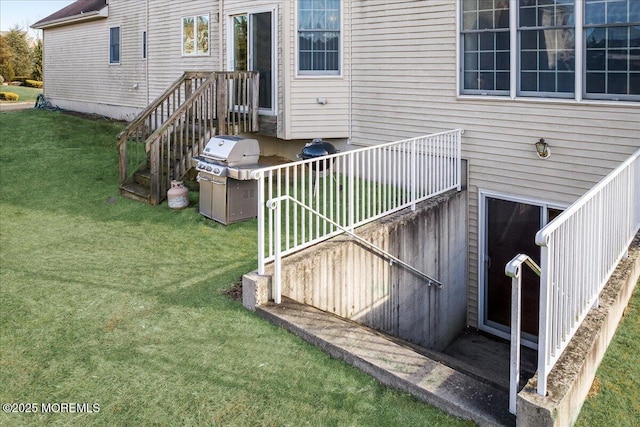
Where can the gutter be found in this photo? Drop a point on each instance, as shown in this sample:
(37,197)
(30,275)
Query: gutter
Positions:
(68,20)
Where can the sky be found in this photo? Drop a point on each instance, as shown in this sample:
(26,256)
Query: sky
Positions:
(27,12)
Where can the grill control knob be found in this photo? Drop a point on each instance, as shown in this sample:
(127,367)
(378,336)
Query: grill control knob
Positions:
(216,171)
(209,168)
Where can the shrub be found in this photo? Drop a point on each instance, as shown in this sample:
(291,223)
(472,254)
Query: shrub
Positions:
(1,79)
(9,96)
(34,83)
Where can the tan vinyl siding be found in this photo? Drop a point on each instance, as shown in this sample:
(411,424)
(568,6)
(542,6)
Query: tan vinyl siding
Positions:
(76,60)
(305,118)
(404,84)
(166,62)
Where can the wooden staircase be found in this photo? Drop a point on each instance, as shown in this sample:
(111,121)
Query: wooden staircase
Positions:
(157,146)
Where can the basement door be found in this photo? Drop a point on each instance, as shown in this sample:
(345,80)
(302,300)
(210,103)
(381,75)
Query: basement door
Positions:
(253,49)
(510,226)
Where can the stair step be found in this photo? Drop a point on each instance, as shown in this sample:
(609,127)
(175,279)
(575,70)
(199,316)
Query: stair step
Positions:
(135,191)
(143,177)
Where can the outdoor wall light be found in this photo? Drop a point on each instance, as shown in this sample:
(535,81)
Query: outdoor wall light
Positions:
(542,149)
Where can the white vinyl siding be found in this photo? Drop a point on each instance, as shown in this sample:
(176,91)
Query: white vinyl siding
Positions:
(306,116)
(165,58)
(78,72)
(404,63)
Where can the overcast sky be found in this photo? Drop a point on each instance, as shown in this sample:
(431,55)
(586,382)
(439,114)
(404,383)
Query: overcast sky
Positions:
(27,12)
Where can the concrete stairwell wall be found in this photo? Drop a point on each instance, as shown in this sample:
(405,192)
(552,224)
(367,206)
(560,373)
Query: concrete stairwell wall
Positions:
(346,278)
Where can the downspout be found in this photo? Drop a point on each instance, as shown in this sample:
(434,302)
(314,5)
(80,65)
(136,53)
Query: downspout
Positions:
(350,117)
(147,59)
(220,35)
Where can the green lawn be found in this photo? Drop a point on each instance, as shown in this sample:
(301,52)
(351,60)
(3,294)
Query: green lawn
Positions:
(113,302)
(26,94)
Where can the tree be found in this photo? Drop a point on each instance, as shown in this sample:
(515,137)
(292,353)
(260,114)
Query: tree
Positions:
(6,69)
(20,57)
(37,61)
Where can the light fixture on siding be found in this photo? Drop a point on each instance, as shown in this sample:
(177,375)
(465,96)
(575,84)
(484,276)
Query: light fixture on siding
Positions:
(542,149)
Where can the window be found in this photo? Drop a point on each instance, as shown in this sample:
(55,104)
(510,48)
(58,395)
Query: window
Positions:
(536,42)
(546,47)
(612,38)
(485,36)
(144,45)
(114,45)
(319,36)
(195,35)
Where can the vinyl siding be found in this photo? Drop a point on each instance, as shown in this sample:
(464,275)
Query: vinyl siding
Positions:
(404,84)
(166,62)
(76,61)
(305,118)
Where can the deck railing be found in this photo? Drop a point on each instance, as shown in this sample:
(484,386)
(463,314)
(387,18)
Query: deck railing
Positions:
(176,127)
(132,139)
(580,249)
(350,189)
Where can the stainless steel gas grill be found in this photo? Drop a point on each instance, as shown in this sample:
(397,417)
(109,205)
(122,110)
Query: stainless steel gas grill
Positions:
(227,192)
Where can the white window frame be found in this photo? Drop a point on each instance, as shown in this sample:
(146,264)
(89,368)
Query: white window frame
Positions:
(145,42)
(111,61)
(579,94)
(319,73)
(231,13)
(195,30)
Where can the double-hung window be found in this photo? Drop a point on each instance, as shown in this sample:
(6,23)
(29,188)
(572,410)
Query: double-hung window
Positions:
(114,45)
(195,35)
(485,40)
(319,36)
(551,48)
(612,39)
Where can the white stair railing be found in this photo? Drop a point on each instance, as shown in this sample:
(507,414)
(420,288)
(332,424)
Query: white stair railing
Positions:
(514,270)
(580,249)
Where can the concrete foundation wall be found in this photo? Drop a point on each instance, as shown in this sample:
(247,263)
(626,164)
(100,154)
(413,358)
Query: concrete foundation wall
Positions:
(349,280)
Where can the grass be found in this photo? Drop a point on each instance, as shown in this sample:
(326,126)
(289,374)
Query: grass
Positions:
(26,94)
(616,390)
(109,301)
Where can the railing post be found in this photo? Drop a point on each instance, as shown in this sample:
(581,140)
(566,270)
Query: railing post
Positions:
(222,104)
(155,167)
(277,262)
(459,157)
(352,193)
(122,161)
(544,327)
(516,306)
(261,221)
(513,269)
(414,173)
(255,89)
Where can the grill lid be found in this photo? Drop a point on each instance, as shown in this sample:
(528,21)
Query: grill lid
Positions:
(317,148)
(232,150)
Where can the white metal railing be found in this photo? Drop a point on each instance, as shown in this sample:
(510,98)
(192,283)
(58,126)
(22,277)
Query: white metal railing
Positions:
(349,189)
(514,270)
(276,205)
(579,251)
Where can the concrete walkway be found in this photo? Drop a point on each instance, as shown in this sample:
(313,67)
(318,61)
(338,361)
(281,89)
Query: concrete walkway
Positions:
(393,364)
(13,106)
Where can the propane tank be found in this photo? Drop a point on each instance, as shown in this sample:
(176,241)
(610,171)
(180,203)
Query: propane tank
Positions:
(178,195)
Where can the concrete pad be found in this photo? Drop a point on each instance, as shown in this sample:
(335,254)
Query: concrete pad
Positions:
(393,364)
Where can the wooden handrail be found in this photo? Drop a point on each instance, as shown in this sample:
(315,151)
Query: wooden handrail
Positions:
(214,104)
